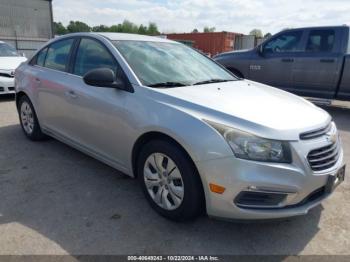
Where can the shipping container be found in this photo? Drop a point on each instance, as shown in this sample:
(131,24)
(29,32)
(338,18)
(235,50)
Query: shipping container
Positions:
(245,42)
(211,43)
(26,25)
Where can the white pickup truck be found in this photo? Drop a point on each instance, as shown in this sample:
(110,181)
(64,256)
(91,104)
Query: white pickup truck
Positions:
(9,61)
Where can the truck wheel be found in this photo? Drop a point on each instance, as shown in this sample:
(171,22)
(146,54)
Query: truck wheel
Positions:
(170,181)
(29,121)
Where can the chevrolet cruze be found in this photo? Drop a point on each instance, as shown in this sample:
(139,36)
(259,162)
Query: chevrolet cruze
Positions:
(197,138)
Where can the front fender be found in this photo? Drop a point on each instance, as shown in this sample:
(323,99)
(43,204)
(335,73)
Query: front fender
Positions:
(201,141)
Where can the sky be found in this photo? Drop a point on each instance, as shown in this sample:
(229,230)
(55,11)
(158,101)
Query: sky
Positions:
(225,15)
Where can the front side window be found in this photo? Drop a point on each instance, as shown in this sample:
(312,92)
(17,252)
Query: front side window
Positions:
(40,60)
(320,41)
(285,42)
(58,55)
(92,55)
(165,64)
(7,50)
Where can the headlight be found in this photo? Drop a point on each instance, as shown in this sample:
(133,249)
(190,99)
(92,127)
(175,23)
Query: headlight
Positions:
(251,147)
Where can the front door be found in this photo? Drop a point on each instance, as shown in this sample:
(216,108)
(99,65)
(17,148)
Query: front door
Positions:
(97,114)
(275,63)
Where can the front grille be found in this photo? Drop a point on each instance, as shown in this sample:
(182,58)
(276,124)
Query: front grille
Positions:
(324,157)
(316,133)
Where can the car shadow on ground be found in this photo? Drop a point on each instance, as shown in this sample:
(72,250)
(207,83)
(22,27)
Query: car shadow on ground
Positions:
(85,207)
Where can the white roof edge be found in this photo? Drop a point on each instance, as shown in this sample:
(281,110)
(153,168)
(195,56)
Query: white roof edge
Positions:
(134,37)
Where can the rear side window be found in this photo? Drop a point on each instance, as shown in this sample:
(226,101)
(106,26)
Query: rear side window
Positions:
(92,55)
(285,42)
(320,41)
(58,55)
(40,60)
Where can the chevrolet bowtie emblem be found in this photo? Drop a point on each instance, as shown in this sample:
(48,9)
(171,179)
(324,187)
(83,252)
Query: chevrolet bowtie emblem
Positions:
(331,137)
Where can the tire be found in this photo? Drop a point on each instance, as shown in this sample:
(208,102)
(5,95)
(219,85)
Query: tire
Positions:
(170,175)
(29,121)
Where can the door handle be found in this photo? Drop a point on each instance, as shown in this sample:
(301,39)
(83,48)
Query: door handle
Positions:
(327,60)
(37,80)
(71,94)
(287,60)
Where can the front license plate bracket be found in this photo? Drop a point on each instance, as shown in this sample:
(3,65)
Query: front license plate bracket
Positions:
(335,180)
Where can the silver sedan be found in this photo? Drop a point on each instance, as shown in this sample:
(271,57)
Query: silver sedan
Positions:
(197,138)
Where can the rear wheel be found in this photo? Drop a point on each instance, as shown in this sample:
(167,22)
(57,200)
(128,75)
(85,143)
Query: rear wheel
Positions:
(170,181)
(29,120)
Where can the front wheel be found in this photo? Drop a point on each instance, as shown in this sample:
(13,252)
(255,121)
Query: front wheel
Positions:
(29,121)
(170,181)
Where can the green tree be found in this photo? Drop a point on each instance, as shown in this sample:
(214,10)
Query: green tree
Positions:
(125,27)
(59,28)
(267,35)
(257,33)
(142,30)
(77,26)
(101,28)
(152,29)
(116,28)
(129,27)
(209,29)
(195,30)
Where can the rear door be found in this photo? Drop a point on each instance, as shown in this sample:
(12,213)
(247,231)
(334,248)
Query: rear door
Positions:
(317,68)
(51,80)
(275,63)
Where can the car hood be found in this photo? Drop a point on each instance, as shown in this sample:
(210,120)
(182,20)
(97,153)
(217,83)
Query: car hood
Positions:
(11,63)
(250,106)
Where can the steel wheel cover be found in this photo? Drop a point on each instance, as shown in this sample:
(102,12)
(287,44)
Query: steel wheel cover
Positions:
(163,181)
(27,118)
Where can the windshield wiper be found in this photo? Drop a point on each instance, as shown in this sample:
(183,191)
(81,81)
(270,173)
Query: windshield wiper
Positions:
(210,81)
(167,84)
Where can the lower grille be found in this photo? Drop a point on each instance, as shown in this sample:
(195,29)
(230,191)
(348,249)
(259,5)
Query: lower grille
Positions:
(316,195)
(324,157)
(11,88)
(251,199)
(2,89)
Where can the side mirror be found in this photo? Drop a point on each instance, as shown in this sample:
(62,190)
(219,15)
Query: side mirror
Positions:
(103,77)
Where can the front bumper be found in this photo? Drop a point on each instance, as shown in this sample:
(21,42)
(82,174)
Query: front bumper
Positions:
(7,85)
(305,188)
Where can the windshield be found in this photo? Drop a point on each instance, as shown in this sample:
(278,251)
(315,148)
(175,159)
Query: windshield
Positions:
(170,64)
(6,50)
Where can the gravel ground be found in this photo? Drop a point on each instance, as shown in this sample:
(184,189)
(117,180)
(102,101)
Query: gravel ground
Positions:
(56,200)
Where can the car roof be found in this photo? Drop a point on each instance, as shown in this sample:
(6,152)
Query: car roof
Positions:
(120,37)
(133,37)
(317,27)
